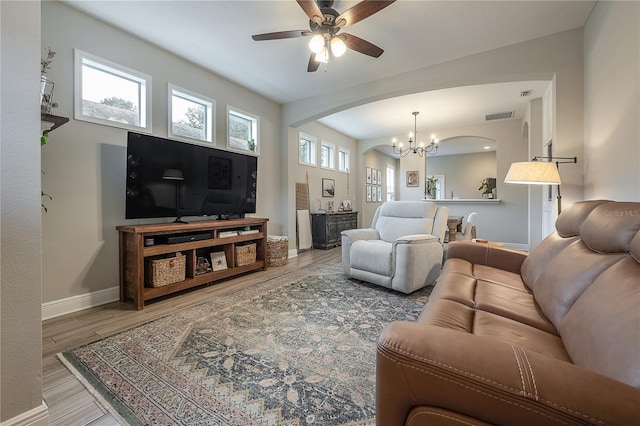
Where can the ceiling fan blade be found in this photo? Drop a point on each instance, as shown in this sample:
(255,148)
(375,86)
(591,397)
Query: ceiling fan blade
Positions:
(312,10)
(313,64)
(360,45)
(280,35)
(360,11)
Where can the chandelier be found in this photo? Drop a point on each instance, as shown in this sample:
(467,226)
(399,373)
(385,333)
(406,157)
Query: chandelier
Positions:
(414,147)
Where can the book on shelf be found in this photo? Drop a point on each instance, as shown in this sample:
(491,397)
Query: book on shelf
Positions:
(224,234)
(248,231)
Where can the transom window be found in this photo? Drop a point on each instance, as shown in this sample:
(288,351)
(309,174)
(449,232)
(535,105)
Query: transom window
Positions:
(307,149)
(191,115)
(327,155)
(343,160)
(111,94)
(243,131)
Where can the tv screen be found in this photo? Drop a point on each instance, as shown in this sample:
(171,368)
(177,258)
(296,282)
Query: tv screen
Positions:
(167,178)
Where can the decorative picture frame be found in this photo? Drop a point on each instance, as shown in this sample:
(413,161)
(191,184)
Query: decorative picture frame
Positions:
(413,178)
(369,175)
(379,194)
(202,265)
(374,177)
(369,193)
(329,206)
(379,177)
(219,261)
(328,187)
(346,205)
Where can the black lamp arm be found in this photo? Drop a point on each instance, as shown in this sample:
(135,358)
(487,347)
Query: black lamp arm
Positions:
(560,160)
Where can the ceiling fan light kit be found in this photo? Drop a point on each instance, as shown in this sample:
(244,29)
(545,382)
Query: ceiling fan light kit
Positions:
(325,23)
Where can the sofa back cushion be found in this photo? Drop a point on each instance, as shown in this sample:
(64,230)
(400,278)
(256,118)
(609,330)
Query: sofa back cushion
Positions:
(395,219)
(601,330)
(567,231)
(608,233)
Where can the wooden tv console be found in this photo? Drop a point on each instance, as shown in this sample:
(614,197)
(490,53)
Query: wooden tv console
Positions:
(134,253)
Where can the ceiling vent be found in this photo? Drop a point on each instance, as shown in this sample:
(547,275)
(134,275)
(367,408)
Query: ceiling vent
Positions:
(525,93)
(499,116)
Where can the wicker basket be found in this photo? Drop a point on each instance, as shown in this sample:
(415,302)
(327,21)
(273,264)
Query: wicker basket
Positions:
(277,252)
(161,272)
(246,254)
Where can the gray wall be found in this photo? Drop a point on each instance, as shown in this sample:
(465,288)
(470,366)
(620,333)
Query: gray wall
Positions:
(463,173)
(84,163)
(612,101)
(20,244)
(557,58)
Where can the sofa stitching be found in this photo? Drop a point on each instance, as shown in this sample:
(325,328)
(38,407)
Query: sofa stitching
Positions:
(437,414)
(383,342)
(533,377)
(476,390)
(515,354)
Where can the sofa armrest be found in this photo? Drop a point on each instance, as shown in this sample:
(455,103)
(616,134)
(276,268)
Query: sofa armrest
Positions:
(489,254)
(348,237)
(421,365)
(416,239)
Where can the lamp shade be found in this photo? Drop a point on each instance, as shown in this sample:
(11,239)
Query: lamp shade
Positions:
(533,173)
(172,174)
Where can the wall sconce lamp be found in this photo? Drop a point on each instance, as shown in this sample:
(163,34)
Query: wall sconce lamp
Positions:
(538,172)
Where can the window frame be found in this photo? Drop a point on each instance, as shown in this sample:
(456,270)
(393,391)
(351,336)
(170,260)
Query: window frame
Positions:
(332,154)
(208,103)
(255,129)
(391,183)
(145,80)
(347,153)
(313,154)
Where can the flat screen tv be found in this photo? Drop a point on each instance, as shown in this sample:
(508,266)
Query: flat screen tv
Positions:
(167,178)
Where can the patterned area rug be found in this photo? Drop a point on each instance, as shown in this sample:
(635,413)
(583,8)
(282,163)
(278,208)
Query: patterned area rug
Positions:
(294,350)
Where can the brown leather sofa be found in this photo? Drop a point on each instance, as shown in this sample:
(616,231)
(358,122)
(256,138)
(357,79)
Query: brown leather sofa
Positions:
(552,337)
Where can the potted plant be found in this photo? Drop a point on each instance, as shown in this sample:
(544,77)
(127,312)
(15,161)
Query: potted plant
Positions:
(430,185)
(486,188)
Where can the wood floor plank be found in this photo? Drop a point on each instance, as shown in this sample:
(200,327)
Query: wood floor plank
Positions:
(69,402)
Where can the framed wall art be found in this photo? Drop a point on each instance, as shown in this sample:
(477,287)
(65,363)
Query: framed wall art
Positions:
(328,187)
(413,178)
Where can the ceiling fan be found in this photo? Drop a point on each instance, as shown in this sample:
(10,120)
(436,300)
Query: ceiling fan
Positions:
(324,25)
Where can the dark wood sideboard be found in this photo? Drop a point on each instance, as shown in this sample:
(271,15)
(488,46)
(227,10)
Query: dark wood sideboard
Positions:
(326,228)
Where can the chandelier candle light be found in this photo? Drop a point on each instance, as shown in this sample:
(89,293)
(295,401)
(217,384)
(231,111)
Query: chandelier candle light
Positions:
(414,147)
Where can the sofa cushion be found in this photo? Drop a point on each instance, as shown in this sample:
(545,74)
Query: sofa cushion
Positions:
(516,333)
(600,332)
(399,218)
(540,257)
(569,222)
(373,256)
(610,227)
(567,276)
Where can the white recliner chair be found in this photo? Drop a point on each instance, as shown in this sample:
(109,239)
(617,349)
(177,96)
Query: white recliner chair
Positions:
(403,248)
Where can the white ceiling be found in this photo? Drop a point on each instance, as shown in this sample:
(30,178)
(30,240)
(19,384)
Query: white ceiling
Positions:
(413,33)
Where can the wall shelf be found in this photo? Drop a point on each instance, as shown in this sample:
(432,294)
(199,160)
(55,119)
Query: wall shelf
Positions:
(49,122)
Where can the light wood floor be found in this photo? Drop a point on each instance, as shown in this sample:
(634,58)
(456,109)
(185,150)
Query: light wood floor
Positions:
(70,404)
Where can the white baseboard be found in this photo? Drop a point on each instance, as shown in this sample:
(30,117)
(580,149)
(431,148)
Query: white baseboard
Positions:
(293,253)
(38,416)
(78,303)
